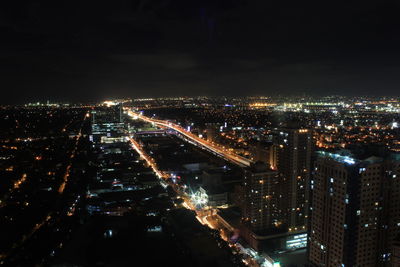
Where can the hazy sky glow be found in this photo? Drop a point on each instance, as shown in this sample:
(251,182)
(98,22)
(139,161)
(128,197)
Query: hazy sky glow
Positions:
(87,50)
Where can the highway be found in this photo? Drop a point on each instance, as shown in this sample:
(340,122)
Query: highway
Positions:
(236,159)
(206,216)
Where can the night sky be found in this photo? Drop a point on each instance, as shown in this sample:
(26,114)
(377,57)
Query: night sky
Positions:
(92,50)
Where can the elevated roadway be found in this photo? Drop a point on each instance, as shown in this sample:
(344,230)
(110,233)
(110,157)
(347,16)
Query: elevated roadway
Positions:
(229,156)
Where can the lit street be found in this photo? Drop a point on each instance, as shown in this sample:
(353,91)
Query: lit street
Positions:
(217,150)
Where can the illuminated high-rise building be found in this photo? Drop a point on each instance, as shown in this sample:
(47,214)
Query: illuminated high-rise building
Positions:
(108,114)
(355,213)
(260,184)
(260,204)
(107,124)
(294,159)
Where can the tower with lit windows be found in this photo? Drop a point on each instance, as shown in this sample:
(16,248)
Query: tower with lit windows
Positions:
(294,161)
(260,197)
(355,214)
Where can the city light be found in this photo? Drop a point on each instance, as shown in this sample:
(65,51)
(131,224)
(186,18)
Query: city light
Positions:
(200,133)
(199,198)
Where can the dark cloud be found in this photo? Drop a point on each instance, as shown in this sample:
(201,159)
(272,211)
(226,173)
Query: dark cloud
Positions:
(89,50)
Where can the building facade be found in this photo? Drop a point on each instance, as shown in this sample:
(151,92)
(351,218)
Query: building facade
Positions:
(395,256)
(260,197)
(355,210)
(294,162)
(265,152)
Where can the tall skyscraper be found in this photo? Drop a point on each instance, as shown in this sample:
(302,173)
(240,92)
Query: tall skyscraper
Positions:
(260,213)
(260,208)
(295,150)
(355,210)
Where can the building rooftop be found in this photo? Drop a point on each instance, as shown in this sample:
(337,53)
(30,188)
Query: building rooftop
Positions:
(260,167)
(358,154)
(338,157)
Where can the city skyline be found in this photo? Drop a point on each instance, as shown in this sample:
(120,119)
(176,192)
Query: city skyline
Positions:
(252,181)
(203,133)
